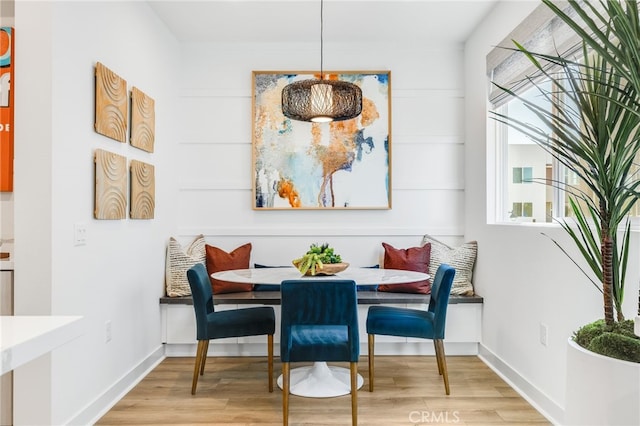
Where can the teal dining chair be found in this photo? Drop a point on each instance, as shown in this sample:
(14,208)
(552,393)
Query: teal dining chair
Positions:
(405,322)
(212,324)
(319,323)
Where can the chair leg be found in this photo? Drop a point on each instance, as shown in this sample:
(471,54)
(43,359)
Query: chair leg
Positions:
(285,393)
(270,360)
(371,345)
(435,346)
(354,393)
(200,352)
(204,357)
(443,362)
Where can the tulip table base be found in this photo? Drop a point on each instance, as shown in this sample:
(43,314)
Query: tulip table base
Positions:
(320,381)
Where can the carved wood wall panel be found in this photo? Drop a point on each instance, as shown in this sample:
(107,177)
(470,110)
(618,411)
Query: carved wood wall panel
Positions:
(143,190)
(143,120)
(111,185)
(111,104)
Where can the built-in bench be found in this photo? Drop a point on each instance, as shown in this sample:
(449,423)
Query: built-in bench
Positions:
(462,335)
(273,298)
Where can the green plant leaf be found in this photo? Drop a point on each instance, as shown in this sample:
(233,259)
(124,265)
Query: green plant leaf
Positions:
(594,123)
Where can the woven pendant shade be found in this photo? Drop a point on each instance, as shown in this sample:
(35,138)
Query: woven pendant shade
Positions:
(321,100)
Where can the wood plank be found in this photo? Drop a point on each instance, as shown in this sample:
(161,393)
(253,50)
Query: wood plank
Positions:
(233,390)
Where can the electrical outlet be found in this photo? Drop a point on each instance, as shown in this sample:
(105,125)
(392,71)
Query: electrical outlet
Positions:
(80,234)
(107,331)
(544,334)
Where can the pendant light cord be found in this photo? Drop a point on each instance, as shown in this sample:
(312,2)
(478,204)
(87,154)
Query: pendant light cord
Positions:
(321,39)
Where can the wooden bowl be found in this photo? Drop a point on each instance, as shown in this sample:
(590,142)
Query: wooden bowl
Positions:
(328,269)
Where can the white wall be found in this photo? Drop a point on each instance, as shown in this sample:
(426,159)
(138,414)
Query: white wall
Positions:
(118,276)
(203,181)
(214,158)
(524,279)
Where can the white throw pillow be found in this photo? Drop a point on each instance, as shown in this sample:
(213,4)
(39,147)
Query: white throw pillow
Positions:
(179,261)
(461,258)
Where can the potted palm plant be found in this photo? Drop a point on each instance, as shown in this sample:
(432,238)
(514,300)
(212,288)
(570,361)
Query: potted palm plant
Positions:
(612,29)
(593,130)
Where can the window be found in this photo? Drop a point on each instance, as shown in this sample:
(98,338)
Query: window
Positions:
(520,161)
(522,174)
(521,210)
(524,169)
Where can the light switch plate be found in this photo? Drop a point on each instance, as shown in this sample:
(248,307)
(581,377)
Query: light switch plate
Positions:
(80,234)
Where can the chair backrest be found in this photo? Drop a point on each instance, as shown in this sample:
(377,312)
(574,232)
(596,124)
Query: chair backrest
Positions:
(322,302)
(202,297)
(440,291)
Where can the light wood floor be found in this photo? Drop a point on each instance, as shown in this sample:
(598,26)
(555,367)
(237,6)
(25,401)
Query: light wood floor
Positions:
(408,391)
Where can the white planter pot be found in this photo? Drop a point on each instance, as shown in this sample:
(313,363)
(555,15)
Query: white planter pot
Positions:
(636,328)
(600,390)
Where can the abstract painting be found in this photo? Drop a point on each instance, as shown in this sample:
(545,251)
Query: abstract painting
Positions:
(143,120)
(7,95)
(337,165)
(143,190)
(111,104)
(111,185)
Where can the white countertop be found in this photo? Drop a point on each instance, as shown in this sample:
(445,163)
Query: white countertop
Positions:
(24,338)
(6,264)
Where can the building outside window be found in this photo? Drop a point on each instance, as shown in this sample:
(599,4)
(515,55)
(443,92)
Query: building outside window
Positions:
(527,172)
(524,168)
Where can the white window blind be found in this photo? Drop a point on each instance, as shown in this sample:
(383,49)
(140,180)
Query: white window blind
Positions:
(541,32)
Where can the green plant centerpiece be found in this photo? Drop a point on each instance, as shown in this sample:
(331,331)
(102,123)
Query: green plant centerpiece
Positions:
(593,130)
(320,260)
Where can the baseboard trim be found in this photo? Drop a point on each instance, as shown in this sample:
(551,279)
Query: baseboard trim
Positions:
(99,407)
(530,393)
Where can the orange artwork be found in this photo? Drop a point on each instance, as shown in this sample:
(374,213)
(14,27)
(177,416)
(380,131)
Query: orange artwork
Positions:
(338,165)
(6,108)
(286,190)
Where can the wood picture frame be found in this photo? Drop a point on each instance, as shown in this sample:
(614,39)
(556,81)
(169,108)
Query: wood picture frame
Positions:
(337,165)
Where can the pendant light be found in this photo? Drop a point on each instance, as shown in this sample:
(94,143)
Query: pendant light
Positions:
(320,100)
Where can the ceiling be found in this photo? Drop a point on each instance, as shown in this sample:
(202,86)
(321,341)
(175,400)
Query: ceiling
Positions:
(422,21)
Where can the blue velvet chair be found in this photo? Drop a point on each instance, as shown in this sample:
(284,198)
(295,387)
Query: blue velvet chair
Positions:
(217,325)
(429,324)
(319,323)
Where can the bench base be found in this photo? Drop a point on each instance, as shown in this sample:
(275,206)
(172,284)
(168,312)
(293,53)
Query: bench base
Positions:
(462,334)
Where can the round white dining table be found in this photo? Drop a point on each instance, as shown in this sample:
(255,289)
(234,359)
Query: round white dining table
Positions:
(320,380)
(362,276)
